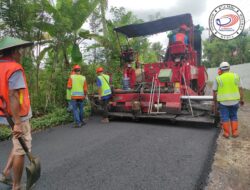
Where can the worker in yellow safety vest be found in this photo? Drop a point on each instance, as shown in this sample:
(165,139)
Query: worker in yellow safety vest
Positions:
(104,92)
(228,92)
(77,85)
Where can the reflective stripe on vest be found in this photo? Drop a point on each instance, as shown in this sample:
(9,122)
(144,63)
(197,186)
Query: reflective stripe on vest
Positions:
(228,87)
(77,85)
(105,85)
(7,68)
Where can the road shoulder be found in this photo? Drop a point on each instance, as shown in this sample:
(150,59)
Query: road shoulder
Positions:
(231,167)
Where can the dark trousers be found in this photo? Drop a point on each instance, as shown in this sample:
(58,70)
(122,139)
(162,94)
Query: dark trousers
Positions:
(228,113)
(77,110)
(105,103)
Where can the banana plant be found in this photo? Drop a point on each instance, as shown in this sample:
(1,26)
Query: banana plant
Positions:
(64,21)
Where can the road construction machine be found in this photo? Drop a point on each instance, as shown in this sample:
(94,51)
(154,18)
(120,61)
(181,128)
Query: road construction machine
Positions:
(172,89)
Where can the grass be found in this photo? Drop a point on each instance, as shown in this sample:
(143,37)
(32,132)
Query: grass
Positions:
(5,133)
(57,117)
(247,95)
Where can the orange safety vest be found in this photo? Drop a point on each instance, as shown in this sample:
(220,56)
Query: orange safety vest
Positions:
(180,37)
(7,68)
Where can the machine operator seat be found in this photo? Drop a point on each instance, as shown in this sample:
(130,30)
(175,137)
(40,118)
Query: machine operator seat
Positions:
(177,50)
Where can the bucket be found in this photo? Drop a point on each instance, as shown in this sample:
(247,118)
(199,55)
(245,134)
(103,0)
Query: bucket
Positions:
(126,83)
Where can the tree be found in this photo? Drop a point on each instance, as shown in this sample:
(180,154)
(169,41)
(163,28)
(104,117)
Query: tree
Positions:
(111,46)
(65,30)
(158,50)
(103,7)
(55,22)
(234,51)
(57,29)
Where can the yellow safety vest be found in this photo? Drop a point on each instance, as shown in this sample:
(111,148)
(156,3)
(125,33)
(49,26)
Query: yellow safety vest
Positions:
(228,87)
(105,84)
(77,85)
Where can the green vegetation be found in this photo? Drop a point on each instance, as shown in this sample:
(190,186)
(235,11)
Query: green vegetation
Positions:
(57,117)
(235,51)
(247,95)
(57,28)
(5,133)
(62,41)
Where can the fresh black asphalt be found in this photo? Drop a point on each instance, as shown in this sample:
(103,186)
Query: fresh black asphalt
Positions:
(122,155)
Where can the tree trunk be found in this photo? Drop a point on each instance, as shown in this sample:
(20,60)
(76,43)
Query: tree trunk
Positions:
(37,70)
(104,25)
(51,79)
(66,60)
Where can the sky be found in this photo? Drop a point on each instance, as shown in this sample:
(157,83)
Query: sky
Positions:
(199,9)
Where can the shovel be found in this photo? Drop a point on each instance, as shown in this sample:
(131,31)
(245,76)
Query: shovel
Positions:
(33,170)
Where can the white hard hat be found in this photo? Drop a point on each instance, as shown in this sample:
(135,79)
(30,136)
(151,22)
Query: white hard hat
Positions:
(224,66)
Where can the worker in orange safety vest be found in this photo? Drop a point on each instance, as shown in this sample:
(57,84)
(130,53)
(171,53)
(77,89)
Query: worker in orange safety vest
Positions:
(181,36)
(14,90)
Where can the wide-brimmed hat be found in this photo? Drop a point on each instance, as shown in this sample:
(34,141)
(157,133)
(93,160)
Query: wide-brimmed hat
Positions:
(10,42)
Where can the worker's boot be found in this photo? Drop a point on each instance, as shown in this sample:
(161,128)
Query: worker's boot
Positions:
(234,125)
(226,129)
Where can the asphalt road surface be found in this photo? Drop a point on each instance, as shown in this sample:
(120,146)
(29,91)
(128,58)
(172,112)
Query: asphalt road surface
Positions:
(122,155)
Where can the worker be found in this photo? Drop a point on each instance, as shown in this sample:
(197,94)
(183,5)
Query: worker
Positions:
(68,96)
(77,84)
(104,92)
(181,36)
(228,92)
(14,90)
(129,72)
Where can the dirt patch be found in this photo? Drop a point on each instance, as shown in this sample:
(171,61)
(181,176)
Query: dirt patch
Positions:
(231,166)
